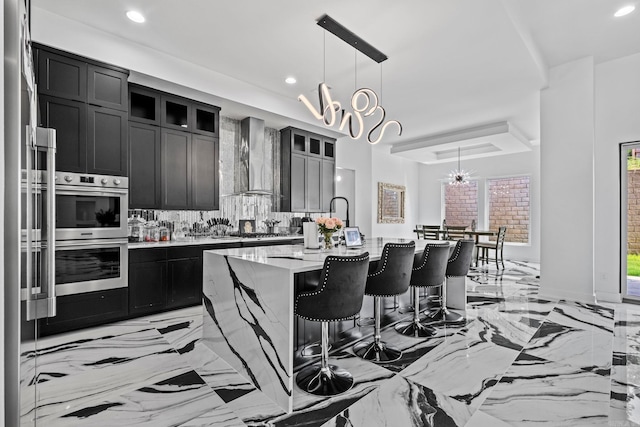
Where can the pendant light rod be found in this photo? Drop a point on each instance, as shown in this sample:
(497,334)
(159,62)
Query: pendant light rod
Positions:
(346,35)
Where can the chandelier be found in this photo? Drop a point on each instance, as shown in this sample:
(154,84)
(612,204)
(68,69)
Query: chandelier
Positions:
(459,176)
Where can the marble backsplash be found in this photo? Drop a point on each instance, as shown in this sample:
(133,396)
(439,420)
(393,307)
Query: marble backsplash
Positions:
(234,206)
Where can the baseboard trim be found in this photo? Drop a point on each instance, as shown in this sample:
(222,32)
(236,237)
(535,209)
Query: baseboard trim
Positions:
(608,297)
(555,294)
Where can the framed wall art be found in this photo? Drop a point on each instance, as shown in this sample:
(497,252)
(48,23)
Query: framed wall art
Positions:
(391,203)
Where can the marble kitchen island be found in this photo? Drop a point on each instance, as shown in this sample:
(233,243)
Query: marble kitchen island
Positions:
(248,297)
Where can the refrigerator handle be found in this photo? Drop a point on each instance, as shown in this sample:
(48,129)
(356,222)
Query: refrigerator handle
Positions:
(43,304)
(50,141)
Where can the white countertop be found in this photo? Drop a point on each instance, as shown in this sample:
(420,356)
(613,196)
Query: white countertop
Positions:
(298,259)
(207,241)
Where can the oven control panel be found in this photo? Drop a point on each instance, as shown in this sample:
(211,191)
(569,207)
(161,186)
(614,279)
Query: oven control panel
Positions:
(90,180)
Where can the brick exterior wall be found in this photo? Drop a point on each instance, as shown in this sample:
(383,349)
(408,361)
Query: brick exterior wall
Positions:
(509,206)
(461,203)
(633,212)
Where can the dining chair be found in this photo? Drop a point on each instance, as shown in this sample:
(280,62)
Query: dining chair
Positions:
(482,251)
(454,232)
(431,232)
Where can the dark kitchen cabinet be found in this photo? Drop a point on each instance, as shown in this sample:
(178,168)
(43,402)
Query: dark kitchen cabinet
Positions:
(107,141)
(327,187)
(184,114)
(297,187)
(147,280)
(189,171)
(69,119)
(307,171)
(144,166)
(205,119)
(184,266)
(186,171)
(204,172)
(107,87)
(86,102)
(86,309)
(175,169)
(175,113)
(144,105)
(61,76)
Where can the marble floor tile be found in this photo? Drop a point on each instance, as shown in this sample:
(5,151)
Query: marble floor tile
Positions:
(255,408)
(217,373)
(181,328)
(167,403)
(464,367)
(217,417)
(533,392)
(92,365)
(590,350)
(401,402)
(582,316)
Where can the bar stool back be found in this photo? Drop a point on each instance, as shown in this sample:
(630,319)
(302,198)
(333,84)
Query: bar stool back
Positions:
(390,278)
(338,297)
(429,272)
(457,266)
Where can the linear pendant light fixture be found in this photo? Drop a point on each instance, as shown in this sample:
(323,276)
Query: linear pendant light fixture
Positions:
(365,102)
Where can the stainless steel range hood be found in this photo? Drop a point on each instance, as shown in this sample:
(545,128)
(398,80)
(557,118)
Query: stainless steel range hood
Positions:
(251,171)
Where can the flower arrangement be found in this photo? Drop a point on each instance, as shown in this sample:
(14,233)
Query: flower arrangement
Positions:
(327,227)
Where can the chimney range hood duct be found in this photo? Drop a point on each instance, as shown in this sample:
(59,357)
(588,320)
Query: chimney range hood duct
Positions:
(251,173)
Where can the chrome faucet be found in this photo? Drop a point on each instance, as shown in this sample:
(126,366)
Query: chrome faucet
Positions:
(346,221)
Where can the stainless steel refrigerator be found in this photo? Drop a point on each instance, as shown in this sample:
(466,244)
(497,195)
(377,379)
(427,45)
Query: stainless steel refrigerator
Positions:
(28,212)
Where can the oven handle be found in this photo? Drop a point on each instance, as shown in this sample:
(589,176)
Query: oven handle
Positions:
(89,191)
(90,243)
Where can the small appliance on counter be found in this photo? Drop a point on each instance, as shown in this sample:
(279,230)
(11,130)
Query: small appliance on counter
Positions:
(135,226)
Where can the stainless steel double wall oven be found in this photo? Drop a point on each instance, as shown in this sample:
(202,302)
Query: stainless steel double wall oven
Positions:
(91,232)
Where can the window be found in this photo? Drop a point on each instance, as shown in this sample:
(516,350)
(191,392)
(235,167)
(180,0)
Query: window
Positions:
(509,206)
(461,203)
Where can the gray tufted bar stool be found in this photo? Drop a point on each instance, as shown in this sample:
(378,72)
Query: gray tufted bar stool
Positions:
(457,266)
(390,278)
(338,297)
(429,271)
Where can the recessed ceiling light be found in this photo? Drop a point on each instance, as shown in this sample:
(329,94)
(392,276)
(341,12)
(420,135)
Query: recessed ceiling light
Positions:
(290,80)
(135,16)
(624,11)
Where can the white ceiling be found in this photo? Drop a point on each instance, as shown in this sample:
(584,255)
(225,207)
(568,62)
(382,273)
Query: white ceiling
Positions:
(453,65)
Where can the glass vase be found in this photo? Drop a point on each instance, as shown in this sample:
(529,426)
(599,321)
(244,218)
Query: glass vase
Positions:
(328,242)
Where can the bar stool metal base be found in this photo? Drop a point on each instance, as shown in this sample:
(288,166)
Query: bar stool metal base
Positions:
(415,329)
(327,381)
(366,321)
(376,352)
(442,315)
(410,308)
(313,350)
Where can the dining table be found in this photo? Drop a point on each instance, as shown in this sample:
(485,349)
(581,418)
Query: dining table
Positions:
(475,234)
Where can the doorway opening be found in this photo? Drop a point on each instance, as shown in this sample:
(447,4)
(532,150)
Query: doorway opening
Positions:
(630,220)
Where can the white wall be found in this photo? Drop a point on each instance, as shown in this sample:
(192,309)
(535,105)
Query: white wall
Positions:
(431,178)
(617,110)
(566,156)
(356,155)
(586,112)
(398,171)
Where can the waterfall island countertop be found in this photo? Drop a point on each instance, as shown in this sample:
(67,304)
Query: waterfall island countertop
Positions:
(248,297)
